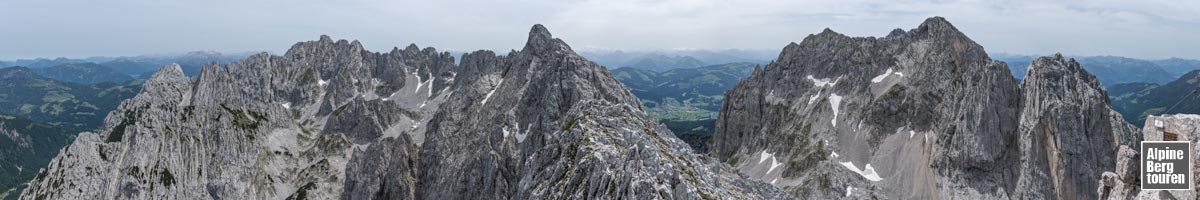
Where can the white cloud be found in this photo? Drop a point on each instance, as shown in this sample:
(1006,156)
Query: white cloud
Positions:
(1151,28)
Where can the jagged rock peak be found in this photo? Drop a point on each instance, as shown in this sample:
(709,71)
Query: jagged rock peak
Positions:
(539,31)
(938,24)
(168,84)
(1066,106)
(825,35)
(170,71)
(541,42)
(896,32)
(827,30)
(1054,67)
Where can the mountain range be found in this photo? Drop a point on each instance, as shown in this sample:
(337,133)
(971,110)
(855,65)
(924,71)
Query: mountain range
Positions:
(1113,70)
(331,120)
(70,105)
(919,114)
(1136,101)
(661,61)
(923,113)
(83,73)
(139,67)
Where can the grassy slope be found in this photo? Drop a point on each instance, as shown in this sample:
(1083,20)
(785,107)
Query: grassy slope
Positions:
(686,100)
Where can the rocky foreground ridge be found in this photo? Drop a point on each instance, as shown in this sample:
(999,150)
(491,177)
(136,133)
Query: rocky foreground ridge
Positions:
(330,120)
(919,114)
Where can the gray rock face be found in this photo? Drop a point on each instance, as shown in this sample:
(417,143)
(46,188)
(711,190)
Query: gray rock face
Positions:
(1069,132)
(331,120)
(918,114)
(1125,181)
(545,123)
(268,127)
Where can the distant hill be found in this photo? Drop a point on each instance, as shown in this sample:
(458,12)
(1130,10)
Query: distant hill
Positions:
(1112,70)
(660,63)
(682,58)
(687,99)
(138,67)
(132,67)
(26,146)
(44,62)
(1018,64)
(1137,100)
(72,105)
(84,73)
(142,66)
(1178,66)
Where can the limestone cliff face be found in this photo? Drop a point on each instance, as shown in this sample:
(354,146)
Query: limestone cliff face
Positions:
(545,123)
(917,114)
(267,127)
(1069,132)
(331,120)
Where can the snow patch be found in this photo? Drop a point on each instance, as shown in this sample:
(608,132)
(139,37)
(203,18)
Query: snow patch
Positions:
(505,130)
(429,91)
(869,173)
(834,154)
(881,76)
(421,82)
(835,101)
(363,147)
(762,157)
(774,180)
(848,190)
(821,82)
(322,82)
(489,94)
(286,105)
(521,135)
(911,133)
(774,164)
(813,99)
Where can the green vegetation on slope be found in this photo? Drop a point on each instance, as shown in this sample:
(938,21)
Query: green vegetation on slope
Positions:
(685,100)
(69,105)
(26,146)
(1135,101)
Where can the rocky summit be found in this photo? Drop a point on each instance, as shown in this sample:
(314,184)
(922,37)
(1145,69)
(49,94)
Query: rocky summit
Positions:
(919,114)
(329,120)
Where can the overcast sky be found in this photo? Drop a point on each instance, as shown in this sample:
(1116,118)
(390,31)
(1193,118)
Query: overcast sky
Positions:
(81,28)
